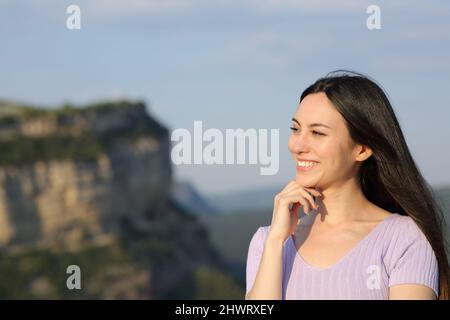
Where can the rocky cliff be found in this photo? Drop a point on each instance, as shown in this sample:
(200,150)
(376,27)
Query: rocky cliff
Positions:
(77,178)
(70,173)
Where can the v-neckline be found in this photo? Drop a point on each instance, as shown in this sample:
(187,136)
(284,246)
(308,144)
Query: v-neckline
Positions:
(348,253)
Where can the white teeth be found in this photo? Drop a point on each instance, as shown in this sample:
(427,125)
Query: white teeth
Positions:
(307,163)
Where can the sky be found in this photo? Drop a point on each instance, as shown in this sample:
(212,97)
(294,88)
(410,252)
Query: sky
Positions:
(233,64)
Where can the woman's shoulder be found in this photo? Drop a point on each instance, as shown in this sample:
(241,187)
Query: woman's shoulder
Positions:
(404,225)
(262,232)
(404,234)
(258,239)
(409,256)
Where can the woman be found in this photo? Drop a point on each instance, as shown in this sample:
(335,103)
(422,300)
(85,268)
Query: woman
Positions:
(372,228)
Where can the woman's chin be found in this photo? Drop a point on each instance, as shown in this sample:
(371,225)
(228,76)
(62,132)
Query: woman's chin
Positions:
(305,183)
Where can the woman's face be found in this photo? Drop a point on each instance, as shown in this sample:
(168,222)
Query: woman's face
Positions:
(321,146)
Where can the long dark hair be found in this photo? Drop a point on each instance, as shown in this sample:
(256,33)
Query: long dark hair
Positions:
(389,178)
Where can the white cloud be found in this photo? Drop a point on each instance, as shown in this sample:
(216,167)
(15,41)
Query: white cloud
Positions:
(116,8)
(305,6)
(275,49)
(120,7)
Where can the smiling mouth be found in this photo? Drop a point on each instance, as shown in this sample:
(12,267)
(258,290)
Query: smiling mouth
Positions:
(306,165)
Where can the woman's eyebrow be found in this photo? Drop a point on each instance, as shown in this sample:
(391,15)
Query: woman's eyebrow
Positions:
(312,124)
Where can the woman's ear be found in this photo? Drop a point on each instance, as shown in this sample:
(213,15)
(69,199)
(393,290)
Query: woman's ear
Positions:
(364,152)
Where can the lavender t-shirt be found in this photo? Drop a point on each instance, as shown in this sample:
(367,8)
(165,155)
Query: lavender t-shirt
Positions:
(395,252)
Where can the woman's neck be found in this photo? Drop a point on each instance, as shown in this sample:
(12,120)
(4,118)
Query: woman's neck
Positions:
(344,204)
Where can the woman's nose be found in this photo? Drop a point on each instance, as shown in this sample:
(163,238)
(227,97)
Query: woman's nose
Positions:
(300,144)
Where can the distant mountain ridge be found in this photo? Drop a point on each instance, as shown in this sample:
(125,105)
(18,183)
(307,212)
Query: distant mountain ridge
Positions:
(253,199)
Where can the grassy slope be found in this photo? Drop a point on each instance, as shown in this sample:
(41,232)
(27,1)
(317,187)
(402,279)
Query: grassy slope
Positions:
(113,271)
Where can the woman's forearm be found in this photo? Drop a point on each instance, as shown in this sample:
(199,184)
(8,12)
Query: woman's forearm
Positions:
(268,280)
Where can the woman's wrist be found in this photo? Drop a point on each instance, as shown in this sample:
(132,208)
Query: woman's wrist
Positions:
(274,239)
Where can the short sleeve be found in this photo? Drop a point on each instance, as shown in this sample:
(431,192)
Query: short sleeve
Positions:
(254,255)
(414,259)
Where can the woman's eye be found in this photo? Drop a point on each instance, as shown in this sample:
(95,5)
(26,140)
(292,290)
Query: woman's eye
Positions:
(317,133)
(293,129)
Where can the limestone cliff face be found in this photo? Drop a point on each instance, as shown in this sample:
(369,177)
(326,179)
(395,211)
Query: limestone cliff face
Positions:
(92,186)
(52,194)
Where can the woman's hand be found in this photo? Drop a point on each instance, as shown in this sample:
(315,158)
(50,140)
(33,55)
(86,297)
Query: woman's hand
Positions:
(286,207)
